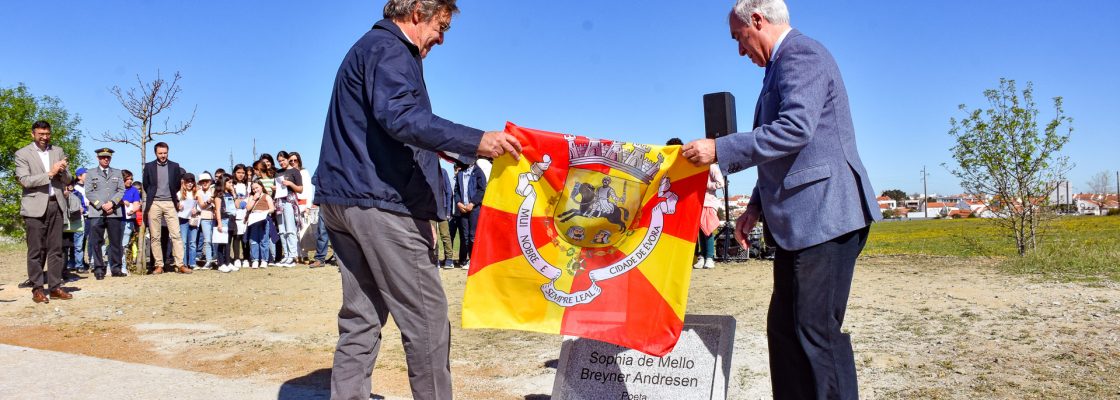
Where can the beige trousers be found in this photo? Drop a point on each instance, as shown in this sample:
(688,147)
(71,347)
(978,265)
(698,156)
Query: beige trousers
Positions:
(165,212)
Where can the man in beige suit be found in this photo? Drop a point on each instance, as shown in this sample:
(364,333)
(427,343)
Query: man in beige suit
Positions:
(41,170)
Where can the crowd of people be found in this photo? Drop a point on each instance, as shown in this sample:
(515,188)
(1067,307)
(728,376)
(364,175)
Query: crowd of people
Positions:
(254,216)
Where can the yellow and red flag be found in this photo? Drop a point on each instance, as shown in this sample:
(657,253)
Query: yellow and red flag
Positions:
(587,237)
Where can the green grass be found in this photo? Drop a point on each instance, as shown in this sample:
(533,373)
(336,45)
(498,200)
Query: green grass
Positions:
(1072,248)
(13,247)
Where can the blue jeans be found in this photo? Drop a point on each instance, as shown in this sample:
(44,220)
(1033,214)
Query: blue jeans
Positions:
(190,241)
(321,241)
(127,227)
(79,249)
(707,244)
(258,242)
(206,229)
(269,225)
(286,224)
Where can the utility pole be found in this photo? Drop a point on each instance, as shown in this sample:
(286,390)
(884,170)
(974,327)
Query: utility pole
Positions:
(925,192)
(254,149)
(230,161)
(1069,197)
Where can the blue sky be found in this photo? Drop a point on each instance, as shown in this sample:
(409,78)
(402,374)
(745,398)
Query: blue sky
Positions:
(626,70)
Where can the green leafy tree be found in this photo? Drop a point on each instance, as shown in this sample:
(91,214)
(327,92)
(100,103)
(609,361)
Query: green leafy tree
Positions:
(896,195)
(1004,152)
(18,110)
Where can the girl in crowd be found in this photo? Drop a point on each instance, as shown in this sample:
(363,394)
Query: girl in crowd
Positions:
(242,175)
(263,169)
(266,174)
(289,183)
(73,208)
(306,197)
(260,207)
(240,181)
(207,218)
(709,221)
(188,218)
(230,253)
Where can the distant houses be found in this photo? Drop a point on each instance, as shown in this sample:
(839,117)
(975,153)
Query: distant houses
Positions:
(966,206)
(1094,204)
(958,206)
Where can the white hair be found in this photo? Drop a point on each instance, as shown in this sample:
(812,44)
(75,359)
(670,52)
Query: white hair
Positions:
(774,11)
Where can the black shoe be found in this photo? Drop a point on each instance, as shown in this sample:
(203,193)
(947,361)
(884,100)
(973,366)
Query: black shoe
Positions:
(99,274)
(83,270)
(26,284)
(68,276)
(119,275)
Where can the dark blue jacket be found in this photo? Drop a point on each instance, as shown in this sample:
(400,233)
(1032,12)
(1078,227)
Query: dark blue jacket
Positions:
(477,184)
(448,202)
(381,139)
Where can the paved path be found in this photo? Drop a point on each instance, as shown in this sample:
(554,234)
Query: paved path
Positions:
(40,374)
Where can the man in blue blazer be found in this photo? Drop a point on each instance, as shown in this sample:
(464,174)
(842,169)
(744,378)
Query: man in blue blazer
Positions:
(812,192)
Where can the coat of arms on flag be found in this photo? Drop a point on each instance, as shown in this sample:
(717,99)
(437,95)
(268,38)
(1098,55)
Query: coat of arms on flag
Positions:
(587,237)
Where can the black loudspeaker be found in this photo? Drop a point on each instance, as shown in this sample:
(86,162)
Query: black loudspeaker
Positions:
(719,115)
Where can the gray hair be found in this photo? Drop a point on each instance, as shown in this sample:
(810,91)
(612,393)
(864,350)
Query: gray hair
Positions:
(774,11)
(398,9)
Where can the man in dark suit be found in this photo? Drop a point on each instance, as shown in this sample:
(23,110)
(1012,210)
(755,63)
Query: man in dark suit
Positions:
(104,191)
(41,170)
(803,143)
(470,187)
(161,183)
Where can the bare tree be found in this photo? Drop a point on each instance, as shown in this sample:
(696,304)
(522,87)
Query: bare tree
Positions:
(144,103)
(1100,184)
(1004,152)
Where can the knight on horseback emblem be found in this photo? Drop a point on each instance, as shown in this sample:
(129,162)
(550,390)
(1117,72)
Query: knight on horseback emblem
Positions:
(603,190)
(605,187)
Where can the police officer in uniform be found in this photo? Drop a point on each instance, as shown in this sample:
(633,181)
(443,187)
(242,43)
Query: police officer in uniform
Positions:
(104,190)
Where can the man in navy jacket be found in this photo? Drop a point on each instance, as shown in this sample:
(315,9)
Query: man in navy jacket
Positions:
(443,227)
(379,188)
(813,192)
(470,187)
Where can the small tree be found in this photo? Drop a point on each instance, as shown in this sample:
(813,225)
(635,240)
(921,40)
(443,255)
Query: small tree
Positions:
(18,110)
(143,103)
(1005,153)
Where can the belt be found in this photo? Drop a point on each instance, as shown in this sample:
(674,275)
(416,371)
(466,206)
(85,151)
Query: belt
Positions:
(52,198)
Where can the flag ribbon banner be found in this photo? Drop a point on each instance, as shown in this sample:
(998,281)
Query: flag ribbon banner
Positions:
(587,237)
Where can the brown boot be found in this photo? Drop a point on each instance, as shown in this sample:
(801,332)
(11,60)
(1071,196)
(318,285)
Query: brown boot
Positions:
(184,270)
(157,271)
(58,293)
(39,295)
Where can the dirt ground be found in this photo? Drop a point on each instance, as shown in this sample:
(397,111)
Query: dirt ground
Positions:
(941,328)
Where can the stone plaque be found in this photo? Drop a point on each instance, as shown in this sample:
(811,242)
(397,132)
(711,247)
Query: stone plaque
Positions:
(698,367)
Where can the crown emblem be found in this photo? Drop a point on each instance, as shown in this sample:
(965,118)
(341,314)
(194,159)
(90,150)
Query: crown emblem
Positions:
(629,159)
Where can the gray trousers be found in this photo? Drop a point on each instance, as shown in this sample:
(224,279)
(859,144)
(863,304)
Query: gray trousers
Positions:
(388,267)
